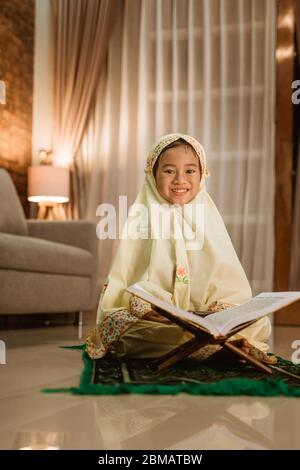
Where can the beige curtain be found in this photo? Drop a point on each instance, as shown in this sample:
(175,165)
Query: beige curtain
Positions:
(110,144)
(82,32)
(206,68)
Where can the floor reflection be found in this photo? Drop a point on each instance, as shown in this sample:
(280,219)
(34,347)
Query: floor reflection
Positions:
(185,422)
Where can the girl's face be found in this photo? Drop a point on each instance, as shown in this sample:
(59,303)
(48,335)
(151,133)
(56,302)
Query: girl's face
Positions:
(178,175)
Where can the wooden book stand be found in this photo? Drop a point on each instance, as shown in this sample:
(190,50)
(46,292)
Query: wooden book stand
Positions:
(201,338)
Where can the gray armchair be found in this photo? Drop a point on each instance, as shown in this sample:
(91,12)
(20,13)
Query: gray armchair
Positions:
(45,266)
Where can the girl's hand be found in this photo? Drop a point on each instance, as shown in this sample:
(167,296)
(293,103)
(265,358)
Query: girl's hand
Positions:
(154,316)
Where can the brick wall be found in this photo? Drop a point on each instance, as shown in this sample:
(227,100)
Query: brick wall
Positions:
(16,69)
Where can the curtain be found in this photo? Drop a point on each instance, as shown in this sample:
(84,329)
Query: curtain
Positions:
(110,145)
(202,67)
(82,31)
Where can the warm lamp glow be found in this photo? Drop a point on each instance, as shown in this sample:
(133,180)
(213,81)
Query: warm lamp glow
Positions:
(57,199)
(47,183)
(62,158)
(286,21)
(284,52)
(39,447)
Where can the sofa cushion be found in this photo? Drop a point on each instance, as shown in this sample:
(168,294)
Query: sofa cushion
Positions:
(12,218)
(34,254)
(31,292)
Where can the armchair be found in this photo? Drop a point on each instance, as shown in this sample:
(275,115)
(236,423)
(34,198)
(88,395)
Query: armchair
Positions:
(45,266)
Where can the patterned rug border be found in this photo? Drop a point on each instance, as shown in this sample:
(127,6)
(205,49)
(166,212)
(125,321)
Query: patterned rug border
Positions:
(226,387)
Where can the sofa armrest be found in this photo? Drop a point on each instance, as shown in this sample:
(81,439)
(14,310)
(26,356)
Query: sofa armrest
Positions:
(79,233)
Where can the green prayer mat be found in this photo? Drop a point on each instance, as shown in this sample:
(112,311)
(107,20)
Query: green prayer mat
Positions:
(215,376)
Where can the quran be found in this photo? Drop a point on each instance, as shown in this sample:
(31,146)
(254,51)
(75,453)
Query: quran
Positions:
(224,322)
(217,327)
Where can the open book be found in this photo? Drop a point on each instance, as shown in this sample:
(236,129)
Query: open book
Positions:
(225,322)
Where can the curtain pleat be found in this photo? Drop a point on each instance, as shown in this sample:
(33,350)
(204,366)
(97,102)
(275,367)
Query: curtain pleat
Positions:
(79,25)
(206,72)
(159,72)
(191,124)
(175,62)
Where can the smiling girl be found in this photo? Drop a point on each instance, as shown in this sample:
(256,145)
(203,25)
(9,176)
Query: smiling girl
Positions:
(207,277)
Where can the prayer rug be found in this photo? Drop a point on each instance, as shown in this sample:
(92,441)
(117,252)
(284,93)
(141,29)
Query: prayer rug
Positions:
(111,376)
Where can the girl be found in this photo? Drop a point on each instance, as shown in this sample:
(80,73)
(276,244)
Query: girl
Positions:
(199,275)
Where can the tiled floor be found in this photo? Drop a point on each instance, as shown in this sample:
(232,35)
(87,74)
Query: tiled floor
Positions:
(29,418)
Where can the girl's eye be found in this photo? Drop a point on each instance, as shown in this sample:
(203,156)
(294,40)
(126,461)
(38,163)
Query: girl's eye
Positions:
(169,171)
(190,171)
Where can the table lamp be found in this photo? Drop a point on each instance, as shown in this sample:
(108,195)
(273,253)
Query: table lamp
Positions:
(48,185)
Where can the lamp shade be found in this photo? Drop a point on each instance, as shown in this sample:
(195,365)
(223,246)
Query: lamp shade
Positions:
(47,183)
